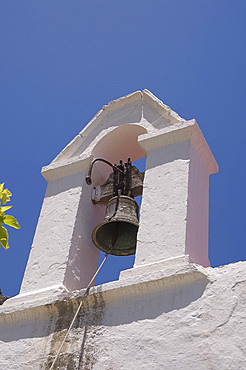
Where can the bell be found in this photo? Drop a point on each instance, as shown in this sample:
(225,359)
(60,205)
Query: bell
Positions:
(117,234)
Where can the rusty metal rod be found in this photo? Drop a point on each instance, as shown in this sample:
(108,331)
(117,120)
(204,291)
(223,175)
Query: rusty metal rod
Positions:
(88,177)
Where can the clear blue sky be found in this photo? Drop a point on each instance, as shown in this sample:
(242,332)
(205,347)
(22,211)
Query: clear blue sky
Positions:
(61,61)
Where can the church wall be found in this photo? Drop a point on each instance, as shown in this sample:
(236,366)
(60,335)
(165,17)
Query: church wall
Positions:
(194,318)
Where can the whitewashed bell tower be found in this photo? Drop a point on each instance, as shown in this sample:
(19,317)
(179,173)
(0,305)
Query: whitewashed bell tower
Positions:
(174,211)
(171,310)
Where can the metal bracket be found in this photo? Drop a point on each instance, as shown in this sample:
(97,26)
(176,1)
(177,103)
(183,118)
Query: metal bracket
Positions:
(132,186)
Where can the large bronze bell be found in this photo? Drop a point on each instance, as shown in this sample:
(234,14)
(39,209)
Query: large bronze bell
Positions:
(117,234)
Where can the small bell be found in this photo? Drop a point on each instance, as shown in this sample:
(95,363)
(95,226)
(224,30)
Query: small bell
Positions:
(117,234)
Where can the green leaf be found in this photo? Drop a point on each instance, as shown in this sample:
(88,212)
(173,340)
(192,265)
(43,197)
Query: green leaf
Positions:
(5,196)
(4,209)
(7,192)
(11,221)
(4,237)
(2,214)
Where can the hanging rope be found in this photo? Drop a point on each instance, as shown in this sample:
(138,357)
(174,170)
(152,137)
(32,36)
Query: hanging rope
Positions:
(78,309)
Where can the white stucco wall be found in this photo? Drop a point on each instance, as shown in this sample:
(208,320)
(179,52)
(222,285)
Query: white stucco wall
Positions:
(58,214)
(197,210)
(183,317)
(162,230)
(62,244)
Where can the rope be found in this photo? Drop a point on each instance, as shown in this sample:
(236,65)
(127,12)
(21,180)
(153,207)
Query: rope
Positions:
(78,309)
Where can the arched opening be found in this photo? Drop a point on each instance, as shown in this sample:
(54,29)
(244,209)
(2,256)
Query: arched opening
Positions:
(119,144)
(115,264)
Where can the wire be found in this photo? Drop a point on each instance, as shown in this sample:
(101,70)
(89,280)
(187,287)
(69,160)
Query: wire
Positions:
(78,309)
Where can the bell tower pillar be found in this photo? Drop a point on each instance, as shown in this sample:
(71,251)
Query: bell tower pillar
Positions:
(63,255)
(174,211)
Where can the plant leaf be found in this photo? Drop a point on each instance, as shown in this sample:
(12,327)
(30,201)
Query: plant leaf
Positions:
(4,237)
(11,221)
(5,196)
(7,192)
(1,187)
(4,209)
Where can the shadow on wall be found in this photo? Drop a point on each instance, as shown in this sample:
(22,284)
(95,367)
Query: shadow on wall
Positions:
(123,307)
(148,301)
(111,308)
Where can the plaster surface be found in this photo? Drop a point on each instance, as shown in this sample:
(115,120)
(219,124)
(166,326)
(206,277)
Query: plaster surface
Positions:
(174,210)
(62,245)
(162,229)
(197,210)
(53,233)
(182,317)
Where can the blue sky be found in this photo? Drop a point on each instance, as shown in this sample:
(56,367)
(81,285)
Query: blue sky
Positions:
(61,61)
